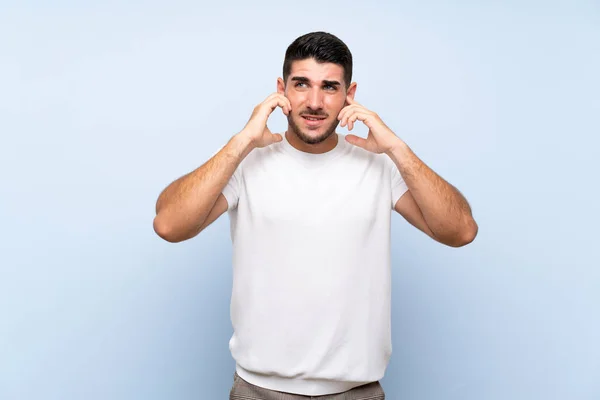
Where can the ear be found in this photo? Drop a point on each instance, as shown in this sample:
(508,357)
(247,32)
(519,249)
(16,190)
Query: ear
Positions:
(280,86)
(351,91)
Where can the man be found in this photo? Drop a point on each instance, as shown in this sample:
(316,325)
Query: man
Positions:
(310,218)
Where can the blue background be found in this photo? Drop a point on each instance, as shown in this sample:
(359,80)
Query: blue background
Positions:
(103,105)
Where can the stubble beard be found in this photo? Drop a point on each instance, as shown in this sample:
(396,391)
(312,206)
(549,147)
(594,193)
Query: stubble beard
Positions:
(311,139)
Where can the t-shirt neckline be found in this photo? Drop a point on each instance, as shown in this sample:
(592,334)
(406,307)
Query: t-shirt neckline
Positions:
(312,159)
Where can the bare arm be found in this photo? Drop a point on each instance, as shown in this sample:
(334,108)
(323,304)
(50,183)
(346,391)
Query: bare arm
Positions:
(183,207)
(194,201)
(432,204)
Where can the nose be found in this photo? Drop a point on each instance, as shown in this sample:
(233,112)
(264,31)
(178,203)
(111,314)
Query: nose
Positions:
(315,99)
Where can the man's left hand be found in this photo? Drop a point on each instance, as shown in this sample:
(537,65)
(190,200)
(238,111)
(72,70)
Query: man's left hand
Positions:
(380,139)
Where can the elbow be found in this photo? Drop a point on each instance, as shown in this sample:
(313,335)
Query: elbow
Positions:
(459,237)
(165,230)
(467,234)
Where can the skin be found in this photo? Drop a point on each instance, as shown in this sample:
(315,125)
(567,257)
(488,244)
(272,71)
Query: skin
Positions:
(191,203)
(431,204)
(314,88)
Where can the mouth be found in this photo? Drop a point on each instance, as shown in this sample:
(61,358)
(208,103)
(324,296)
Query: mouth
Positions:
(313,120)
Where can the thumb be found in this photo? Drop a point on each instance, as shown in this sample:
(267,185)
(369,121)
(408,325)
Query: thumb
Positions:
(357,141)
(277,138)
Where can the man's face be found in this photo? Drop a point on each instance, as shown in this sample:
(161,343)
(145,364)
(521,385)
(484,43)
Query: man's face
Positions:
(317,93)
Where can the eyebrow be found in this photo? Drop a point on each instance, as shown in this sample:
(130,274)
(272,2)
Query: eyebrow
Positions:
(306,80)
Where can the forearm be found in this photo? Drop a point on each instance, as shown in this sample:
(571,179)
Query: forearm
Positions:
(445,210)
(184,205)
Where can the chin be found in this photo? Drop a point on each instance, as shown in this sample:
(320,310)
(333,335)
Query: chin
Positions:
(312,136)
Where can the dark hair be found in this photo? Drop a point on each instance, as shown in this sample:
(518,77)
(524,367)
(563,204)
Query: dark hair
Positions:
(323,47)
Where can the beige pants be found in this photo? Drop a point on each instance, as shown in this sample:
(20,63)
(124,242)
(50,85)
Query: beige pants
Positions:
(243,390)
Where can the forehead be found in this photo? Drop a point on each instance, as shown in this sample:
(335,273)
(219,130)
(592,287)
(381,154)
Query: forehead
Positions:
(317,72)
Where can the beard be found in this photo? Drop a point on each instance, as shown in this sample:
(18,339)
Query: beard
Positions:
(305,137)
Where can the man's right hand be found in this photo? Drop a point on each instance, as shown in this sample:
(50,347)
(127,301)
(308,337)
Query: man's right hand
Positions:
(256,129)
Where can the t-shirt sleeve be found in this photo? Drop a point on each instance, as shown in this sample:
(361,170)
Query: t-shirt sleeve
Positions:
(399,187)
(231,191)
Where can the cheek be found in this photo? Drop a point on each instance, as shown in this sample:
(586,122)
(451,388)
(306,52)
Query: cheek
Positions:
(335,106)
(296,105)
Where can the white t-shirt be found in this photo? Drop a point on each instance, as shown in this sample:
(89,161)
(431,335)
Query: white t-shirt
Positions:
(311,301)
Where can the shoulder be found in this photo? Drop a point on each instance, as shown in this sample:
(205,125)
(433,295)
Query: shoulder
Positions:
(259,156)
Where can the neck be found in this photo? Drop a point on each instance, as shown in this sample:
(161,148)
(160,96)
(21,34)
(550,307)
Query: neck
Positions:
(318,148)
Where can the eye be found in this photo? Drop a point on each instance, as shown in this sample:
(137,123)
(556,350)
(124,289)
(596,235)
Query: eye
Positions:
(299,83)
(330,87)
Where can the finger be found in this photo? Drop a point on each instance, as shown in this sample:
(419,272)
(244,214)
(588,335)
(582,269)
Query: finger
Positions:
(275,100)
(346,111)
(361,116)
(351,120)
(357,141)
(279,101)
(351,111)
(351,101)
(289,105)
(271,97)
(341,113)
